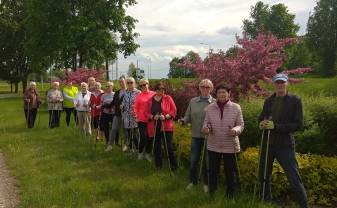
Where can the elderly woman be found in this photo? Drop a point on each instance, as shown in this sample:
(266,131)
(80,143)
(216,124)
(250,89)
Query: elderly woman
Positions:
(223,124)
(54,99)
(141,110)
(160,126)
(69,93)
(116,105)
(95,105)
(81,102)
(128,114)
(91,84)
(195,114)
(31,101)
(107,112)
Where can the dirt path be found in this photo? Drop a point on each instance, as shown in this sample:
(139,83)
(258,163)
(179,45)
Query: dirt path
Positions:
(9,195)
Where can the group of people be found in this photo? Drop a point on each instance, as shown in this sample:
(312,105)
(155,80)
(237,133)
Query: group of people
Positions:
(147,119)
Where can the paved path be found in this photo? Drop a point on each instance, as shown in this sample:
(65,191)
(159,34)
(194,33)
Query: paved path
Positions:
(4,96)
(9,195)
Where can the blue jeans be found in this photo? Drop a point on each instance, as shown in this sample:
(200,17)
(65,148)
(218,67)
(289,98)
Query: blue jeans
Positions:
(286,158)
(197,144)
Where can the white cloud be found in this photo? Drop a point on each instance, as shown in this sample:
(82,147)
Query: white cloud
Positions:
(172,28)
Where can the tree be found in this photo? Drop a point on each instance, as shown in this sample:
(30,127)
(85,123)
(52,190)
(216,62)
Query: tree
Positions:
(132,72)
(14,59)
(79,33)
(275,19)
(256,60)
(322,35)
(177,71)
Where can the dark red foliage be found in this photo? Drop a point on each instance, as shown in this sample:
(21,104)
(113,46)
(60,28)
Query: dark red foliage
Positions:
(82,75)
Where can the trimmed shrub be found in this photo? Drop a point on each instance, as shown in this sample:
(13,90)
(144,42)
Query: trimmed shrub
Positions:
(318,172)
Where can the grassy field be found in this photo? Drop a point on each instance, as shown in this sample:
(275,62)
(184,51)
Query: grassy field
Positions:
(59,168)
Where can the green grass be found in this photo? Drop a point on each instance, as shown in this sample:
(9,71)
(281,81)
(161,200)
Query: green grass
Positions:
(59,168)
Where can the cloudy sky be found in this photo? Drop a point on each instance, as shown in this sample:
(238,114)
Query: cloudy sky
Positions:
(170,28)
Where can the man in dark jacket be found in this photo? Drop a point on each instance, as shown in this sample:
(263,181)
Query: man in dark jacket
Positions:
(282,115)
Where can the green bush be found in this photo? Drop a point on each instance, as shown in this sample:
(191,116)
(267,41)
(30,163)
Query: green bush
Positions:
(318,172)
(320,119)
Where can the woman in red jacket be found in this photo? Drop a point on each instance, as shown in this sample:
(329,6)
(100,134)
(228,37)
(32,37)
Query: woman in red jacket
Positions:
(162,111)
(95,104)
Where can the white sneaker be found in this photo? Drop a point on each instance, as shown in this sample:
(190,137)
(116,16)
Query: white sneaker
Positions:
(148,157)
(140,156)
(109,148)
(205,187)
(189,186)
(125,148)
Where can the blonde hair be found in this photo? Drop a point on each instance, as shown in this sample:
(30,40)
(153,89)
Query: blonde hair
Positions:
(144,81)
(130,79)
(32,83)
(84,84)
(207,82)
(109,84)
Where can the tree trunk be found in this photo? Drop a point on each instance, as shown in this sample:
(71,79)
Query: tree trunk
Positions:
(16,86)
(74,63)
(107,69)
(11,86)
(24,84)
(80,61)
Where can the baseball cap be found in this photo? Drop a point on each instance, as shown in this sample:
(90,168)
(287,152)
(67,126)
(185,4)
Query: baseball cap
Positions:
(281,77)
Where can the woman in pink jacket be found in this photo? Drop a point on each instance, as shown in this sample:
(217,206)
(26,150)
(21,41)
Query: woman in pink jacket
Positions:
(223,124)
(162,111)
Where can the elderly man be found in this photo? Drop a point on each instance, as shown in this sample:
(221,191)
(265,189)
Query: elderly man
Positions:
(281,117)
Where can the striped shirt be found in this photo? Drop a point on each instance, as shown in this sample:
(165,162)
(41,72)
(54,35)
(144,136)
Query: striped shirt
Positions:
(219,140)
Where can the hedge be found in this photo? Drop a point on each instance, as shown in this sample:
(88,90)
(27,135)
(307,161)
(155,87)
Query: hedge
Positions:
(318,173)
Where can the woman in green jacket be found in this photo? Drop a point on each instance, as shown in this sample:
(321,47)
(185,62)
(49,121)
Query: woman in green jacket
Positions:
(69,93)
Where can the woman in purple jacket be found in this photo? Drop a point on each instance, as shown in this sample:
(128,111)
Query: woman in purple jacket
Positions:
(223,124)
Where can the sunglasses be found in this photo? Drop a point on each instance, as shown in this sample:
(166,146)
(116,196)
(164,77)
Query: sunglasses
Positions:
(129,82)
(142,85)
(205,87)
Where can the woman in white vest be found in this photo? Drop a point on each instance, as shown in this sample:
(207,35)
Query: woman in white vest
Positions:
(81,102)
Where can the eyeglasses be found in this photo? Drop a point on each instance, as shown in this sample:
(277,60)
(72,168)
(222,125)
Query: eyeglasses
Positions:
(142,85)
(205,87)
(161,88)
(129,82)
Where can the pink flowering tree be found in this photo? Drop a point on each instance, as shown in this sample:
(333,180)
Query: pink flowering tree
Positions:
(254,62)
(82,75)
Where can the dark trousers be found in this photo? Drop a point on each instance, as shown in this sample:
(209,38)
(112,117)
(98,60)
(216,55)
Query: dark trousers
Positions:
(230,167)
(68,115)
(286,157)
(132,138)
(158,156)
(197,145)
(144,142)
(30,116)
(54,118)
(105,122)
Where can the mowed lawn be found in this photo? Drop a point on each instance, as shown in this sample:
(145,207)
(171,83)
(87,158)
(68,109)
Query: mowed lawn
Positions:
(59,168)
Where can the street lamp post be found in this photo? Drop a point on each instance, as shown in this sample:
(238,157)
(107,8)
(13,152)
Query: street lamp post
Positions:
(149,68)
(209,47)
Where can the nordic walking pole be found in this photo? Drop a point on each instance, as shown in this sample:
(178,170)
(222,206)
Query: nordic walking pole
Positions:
(258,168)
(202,157)
(166,148)
(265,165)
(28,117)
(155,134)
(236,158)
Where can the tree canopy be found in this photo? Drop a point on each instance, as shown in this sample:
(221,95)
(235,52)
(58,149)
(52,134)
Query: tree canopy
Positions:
(322,35)
(275,19)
